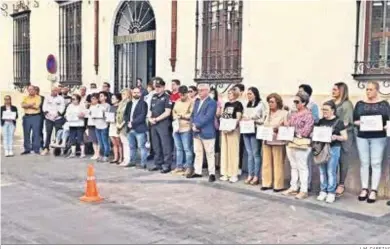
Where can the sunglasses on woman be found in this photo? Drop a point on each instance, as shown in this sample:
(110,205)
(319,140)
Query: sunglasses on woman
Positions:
(297,102)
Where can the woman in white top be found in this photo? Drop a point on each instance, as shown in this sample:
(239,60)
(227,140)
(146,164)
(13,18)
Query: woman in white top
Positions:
(75,117)
(102,127)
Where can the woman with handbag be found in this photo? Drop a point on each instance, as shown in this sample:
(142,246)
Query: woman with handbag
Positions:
(371,139)
(330,154)
(344,111)
(274,152)
(299,149)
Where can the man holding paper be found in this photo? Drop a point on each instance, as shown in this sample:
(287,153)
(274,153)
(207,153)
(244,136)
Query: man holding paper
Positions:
(370,116)
(53,109)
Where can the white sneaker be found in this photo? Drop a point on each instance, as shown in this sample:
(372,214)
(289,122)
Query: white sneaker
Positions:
(82,156)
(322,196)
(224,178)
(233,179)
(94,158)
(10,153)
(6,154)
(330,198)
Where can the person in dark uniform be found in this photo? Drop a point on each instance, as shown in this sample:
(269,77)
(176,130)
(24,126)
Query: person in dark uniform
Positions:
(160,121)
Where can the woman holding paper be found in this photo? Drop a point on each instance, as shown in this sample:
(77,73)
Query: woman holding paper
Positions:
(113,132)
(370,116)
(102,126)
(230,137)
(75,117)
(274,152)
(299,149)
(337,134)
(254,112)
(344,111)
(9,115)
(93,111)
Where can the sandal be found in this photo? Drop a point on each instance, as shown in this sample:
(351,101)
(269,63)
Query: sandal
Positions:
(372,193)
(340,190)
(248,180)
(254,181)
(364,197)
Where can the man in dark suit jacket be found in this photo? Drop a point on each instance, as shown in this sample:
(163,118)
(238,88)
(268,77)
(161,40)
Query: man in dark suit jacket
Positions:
(135,120)
(203,127)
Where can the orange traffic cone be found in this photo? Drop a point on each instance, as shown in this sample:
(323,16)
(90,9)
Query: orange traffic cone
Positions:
(91,193)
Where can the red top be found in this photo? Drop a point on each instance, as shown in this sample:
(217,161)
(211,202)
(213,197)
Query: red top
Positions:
(174,97)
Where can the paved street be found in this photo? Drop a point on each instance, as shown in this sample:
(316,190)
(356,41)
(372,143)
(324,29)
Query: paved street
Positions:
(40,205)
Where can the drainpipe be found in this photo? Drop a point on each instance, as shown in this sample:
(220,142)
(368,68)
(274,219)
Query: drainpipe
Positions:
(96,41)
(173,35)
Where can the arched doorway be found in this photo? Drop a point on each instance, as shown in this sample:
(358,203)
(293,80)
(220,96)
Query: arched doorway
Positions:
(134,43)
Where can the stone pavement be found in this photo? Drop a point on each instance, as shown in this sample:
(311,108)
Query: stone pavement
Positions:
(40,205)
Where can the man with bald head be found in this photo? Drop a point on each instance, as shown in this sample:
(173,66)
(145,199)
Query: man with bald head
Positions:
(53,109)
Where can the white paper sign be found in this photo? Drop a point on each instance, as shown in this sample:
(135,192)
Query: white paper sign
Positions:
(371,123)
(322,134)
(388,128)
(175,125)
(285,133)
(265,133)
(96,113)
(247,127)
(8,115)
(227,124)
(110,117)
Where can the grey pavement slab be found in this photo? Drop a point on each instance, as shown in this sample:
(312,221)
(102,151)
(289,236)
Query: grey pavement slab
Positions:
(40,205)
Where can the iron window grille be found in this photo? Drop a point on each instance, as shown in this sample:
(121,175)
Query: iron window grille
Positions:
(373,64)
(70,48)
(221,31)
(21,49)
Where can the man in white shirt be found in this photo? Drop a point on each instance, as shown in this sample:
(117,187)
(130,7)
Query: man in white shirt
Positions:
(53,109)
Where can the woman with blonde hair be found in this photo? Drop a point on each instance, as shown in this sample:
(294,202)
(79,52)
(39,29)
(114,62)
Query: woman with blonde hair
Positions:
(120,125)
(344,111)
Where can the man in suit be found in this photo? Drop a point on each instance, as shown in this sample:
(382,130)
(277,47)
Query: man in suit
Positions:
(204,132)
(135,120)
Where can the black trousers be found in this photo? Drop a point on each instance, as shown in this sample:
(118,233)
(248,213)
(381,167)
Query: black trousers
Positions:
(57,124)
(76,135)
(162,145)
(242,148)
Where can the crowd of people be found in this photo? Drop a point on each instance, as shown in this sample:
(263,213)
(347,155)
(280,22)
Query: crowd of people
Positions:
(190,125)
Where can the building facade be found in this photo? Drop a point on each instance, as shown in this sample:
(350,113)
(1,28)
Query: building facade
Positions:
(273,45)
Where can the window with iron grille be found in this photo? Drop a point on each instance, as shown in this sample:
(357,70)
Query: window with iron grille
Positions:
(70,43)
(221,31)
(21,48)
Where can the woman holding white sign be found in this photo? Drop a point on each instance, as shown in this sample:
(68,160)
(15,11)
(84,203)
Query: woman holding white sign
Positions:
(9,115)
(75,117)
(299,149)
(254,113)
(230,139)
(370,116)
(337,134)
(274,152)
(113,130)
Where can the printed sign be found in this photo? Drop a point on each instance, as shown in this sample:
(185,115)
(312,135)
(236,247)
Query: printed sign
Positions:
(8,115)
(247,127)
(110,117)
(264,133)
(285,133)
(322,134)
(227,124)
(371,123)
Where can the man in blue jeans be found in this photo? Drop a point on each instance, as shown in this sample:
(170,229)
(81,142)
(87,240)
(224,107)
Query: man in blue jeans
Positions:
(135,119)
(32,121)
